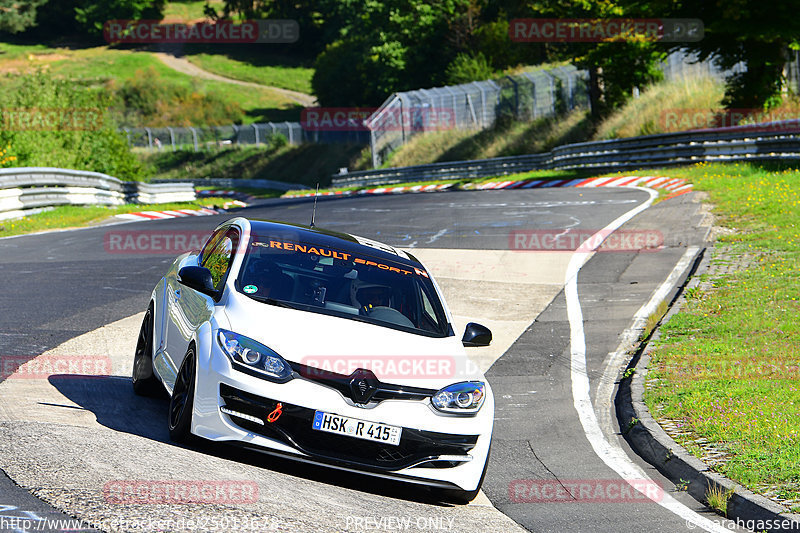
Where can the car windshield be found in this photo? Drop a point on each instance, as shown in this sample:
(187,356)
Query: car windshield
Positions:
(323,280)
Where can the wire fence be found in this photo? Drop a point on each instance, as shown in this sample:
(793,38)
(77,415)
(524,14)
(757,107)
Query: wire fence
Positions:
(204,138)
(471,106)
(477,105)
(682,64)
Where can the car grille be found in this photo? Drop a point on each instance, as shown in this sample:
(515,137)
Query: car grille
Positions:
(343,384)
(293,427)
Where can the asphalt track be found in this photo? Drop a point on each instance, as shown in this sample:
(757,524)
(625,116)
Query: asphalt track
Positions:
(60,286)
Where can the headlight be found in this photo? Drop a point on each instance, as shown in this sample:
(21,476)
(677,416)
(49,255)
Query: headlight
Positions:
(462,398)
(252,354)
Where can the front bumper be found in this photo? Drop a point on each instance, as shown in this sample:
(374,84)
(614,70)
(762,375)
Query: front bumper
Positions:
(435,449)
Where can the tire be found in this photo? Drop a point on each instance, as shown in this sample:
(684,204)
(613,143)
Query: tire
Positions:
(463,497)
(145,383)
(181,403)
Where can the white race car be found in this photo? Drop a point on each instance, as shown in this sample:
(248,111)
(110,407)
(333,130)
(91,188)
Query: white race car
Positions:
(322,347)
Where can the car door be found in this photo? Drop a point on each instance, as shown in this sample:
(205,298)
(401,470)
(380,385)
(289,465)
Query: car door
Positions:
(188,308)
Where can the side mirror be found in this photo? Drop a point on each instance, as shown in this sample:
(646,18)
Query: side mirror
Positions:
(476,335)
(197,278)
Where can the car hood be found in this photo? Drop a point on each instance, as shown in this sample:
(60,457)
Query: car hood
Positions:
(343,345)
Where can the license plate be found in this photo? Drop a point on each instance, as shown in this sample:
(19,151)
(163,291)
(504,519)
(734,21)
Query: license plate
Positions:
(353,427)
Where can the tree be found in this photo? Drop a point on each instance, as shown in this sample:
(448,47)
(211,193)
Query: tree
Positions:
(16,16)
(753,33)
(389,46)
(615,67)
(91,14)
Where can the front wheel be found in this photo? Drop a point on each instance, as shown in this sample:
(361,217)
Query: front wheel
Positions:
(181,404)
(145,383)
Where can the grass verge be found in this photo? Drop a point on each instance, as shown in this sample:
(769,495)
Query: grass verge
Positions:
(504,139)
(726,369)
(256,67)
(103,65)
(74,216)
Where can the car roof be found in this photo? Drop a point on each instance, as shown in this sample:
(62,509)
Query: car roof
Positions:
(345,242)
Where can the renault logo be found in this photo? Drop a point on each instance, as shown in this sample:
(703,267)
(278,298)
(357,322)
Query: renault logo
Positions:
(363,385)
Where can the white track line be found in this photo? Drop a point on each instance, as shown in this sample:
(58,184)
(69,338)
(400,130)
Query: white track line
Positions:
(611,454)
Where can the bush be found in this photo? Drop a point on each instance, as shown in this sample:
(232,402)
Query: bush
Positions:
(148,100)
(466,68)
(55,123)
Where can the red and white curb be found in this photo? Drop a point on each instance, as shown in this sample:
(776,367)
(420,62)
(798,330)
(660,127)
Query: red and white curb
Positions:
(383,190)
(158,215)
(676,186)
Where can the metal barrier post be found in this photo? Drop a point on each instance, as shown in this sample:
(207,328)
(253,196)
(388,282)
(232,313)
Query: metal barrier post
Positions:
(291,134)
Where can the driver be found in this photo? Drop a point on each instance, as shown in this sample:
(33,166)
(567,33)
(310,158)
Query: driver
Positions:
(368,296)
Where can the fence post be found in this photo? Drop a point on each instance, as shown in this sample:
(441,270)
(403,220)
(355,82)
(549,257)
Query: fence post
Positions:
(516,96)
(291,133)
(571,91)
(483,104)
(194,138)
(149,138)
(551,78)
(171,137)
(255,129)
(127,135)
(372,148)
(472,109)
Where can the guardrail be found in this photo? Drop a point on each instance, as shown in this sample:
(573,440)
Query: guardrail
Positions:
(231,183)
(25,190)
(762,142)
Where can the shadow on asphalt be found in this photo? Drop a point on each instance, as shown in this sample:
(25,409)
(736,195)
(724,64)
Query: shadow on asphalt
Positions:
(114,404)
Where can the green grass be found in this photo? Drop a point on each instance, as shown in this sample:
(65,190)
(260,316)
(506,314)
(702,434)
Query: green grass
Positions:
(727,367)
(665,107)
(258,68)
(188,11)
(104,65)
(717,499)
(72,216)
(504,139)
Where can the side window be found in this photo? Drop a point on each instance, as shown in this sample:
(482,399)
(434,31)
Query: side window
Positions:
(427,308)
(219,258)
(210,244)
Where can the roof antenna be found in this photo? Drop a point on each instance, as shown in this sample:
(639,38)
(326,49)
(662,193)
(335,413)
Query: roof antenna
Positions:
(314,211)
